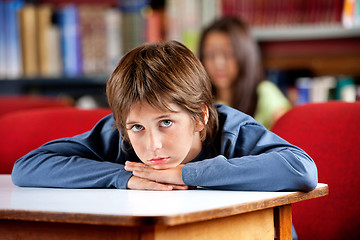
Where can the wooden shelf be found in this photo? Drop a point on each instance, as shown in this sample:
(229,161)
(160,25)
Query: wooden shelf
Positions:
(304,32)
(72,86)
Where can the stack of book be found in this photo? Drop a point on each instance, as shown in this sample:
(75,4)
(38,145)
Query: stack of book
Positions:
(72,40)
(351,13)
(301,87)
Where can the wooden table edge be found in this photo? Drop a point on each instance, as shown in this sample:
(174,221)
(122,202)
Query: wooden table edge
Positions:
(117,220)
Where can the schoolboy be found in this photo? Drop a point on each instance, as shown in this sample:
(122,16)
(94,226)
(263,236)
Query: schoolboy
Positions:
(165,133)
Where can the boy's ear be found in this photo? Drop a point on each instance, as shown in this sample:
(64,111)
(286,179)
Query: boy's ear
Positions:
(200,124)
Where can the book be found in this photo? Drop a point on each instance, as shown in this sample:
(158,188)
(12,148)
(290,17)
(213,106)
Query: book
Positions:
(55,58)
(2,41)
(134,22)
(322,88)
(351,13)
(28,31)
(70,40)
(92,29)
(114,36)
(11,63)
(346,89)
(303,86)
(44,25)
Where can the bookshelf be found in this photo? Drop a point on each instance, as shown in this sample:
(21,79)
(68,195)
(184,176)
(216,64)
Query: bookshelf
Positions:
(305,32)
(330,56)
(69,87)
(292,34)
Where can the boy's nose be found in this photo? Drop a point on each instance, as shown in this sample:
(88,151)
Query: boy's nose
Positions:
(153,141)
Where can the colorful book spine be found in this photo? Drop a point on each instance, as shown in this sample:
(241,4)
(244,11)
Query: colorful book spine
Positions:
(44,25)
(351,13)
(11,42)
(54,52)
(29,39)
(346,89)
(285,12)
(134,18)
(70,40)
(303,86)
(2,41)
(113,37)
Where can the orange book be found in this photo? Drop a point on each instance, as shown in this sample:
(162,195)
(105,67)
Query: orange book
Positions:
(43,26)
(28,33)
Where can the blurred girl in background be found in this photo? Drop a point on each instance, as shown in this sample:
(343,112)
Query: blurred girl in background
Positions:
(232,60)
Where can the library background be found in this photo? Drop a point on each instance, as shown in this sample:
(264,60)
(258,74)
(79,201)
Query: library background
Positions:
(68,48)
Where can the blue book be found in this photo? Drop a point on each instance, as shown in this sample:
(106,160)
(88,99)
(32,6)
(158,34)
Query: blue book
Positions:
(303,85)
(10,38)
(70,40)
(2,40)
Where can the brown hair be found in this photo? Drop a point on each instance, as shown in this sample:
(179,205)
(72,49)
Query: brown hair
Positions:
(160,74)
(247,55)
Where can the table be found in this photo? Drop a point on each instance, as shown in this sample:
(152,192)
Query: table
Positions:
(52,213)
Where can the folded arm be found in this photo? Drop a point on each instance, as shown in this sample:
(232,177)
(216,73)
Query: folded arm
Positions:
(92,159)
(256,159)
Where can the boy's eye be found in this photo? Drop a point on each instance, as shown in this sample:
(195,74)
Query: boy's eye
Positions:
(137,128)
(166,123)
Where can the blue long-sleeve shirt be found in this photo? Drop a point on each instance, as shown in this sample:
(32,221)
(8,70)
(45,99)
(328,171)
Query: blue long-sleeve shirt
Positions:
(243,156)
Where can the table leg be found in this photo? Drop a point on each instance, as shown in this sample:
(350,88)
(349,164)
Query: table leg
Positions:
(283,222)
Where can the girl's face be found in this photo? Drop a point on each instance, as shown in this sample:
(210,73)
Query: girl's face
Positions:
(219,60)
(163,139)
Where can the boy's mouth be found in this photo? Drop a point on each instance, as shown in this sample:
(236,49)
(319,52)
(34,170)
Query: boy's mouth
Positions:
(158,161)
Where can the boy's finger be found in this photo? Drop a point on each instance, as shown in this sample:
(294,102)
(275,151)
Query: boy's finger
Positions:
(136,167)
(165,187)
(128,163)
(158,186)
(180,187)
(147,175)
(145,184)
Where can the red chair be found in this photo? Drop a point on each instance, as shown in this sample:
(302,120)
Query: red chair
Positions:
(26,130)
(330,133)
(16,103)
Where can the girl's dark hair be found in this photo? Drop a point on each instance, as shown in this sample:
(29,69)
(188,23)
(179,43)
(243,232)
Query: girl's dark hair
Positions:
(247,54)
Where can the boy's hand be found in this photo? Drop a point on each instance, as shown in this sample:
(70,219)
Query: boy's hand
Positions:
(152,178)
(138,183)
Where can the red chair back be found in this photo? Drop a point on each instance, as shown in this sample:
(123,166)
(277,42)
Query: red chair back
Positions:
(330,133)
(23,131)
(16,103)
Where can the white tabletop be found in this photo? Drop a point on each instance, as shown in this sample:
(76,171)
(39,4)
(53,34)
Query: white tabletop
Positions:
(118,202)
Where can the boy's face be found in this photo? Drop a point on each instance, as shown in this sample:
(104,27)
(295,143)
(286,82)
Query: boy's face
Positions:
(163,139)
